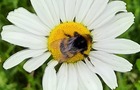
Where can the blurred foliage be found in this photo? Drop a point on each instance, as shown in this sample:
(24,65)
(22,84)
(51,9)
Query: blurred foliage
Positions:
(18,79)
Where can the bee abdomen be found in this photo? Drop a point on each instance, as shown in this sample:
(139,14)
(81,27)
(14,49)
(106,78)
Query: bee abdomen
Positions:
(67,50)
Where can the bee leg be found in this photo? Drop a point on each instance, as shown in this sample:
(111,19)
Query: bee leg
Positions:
(67,35)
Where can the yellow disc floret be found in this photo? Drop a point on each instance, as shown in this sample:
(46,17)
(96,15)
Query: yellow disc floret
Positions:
(59,33)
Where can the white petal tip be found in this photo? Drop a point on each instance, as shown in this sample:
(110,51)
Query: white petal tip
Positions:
(9,14)
(127,68)
(2,35)
(114,86)
(27,69)
(137,49)
(6,66)
(53,63)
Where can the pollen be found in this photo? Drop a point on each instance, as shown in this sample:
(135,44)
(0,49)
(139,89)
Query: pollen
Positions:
(60,33)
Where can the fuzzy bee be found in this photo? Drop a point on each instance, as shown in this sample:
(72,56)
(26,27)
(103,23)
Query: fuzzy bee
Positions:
(72,45)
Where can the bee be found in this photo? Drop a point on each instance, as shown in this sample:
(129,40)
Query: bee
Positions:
(72,45)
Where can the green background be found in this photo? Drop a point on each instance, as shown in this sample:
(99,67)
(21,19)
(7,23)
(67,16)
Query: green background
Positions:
(18,79)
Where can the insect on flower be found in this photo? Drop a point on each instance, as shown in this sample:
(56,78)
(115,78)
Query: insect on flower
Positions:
(80,35)
(72,45)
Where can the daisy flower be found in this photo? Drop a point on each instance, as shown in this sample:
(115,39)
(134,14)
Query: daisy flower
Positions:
(80,35)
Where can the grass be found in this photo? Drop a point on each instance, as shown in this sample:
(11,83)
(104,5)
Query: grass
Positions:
(17,79)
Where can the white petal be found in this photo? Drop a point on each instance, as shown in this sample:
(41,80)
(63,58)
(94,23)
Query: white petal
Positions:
(112,8)
(118,25)
(117,46)
(89,80)
(23,39)
(72,83)
(115,62)
(62,12)
(44,13)
(52,6)
(77,7)
(28,21)
(90,65)
(36,62)
(62,77)
(81,85)
(106,73)
(20,56)
(85,6)
(14,29)
(49,78)
(69,8)
(96,9)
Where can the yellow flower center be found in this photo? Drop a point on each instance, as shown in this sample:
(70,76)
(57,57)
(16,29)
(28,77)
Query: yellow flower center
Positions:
(62,39)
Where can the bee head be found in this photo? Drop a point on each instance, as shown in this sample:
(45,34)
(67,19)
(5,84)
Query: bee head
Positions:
(80,42)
